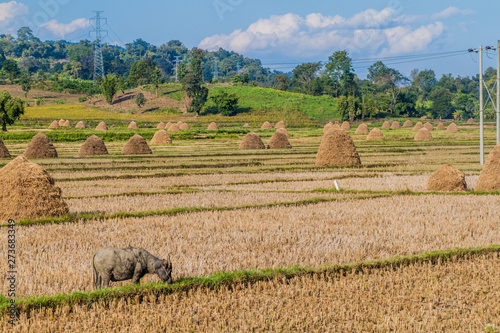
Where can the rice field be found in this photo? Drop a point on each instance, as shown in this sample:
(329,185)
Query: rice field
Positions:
(216,209)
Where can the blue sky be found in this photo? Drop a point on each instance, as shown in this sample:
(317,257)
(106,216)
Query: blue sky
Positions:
(283,33)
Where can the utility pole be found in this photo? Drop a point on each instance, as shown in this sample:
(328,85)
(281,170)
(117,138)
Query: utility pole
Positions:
(98,62)
(481,107)
(177,62)
(498,92)
(216,69)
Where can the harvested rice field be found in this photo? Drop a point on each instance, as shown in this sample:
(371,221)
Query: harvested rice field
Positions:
(264,240)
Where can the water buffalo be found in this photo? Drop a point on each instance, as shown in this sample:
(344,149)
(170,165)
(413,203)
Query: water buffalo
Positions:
(111,264)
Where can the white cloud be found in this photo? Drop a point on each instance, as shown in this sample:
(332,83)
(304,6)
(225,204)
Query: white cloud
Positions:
(11,11)
(61,30)
(451,11)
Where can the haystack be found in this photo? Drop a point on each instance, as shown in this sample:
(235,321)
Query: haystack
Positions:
(337,148)
(327,127)
(173,128)
(440,126)
(28,191)
(167,125)
(212,127)
(280,124)
(133,125)
(246,125)
(362,129)
(284,131)
(102,126)
(418,127)
(93,146)
(408,123)
(54,124)
(346,126)
(184,127)
(336,126)
(136,145)
(161,138)
(375,134)
(80,124)
(471,121)
(279,141)
(447,178)
(266,125)
(160,125)
(429,126)
(423,135)
(252,141)
(66,124)
(40,147)
(489,178)
(386,125)
(395,125)
(452,128)
(179,123)
(61,122)
(4,152)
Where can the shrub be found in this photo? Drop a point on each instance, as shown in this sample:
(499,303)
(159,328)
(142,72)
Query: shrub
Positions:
(226,102)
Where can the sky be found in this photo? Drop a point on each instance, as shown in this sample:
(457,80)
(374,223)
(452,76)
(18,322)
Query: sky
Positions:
(404,34)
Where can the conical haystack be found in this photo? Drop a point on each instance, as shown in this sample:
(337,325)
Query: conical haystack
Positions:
(327,127)
(489,178)
(161,138)
(336,126)
(133,125)
(167,125)
(54,124)
(40,147)
(418,127)
(28,192)
(279,141)
(408,123)
(386,125)
(102,126)
(184,127)
(61,122)
(252,141)
(246,125)
(266,125)
(173,128)
(80,124)
(4,152)
(440,126)
(136,145)
(452,128)
(429,126)
(346,126)
(423,135)
(395,125)
(212,127)
(66,124)
(375,134)
(337,148)
(284,132)
(447,178)
(471,121)
(362,129)
(179,123)
(93,146)
(280,124)
(160,125)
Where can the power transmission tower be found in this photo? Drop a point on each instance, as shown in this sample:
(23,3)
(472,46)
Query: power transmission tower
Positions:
(216,69)
(177,62)
(98,62)
(238,67)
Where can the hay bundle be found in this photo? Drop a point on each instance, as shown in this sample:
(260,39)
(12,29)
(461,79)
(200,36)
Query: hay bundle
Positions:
(337,148)
(327,127)
(173,128)
(375,134)
(102,126)
(452,128)
(386,125)
(179,123)
(184,127)
(447,178)
(80,124)
(212,127)
(408,123)
(429,126)
(345,126)
(160,125)
(489,178)
(66,124)
(252,141)
(280,124)
(40,147)
(336,126)
(93,146)
(279,141)
(136,145)
(362,129)
(440,126)
(28,191)
(133,125)
(284,131)
(423,135)
(54,124)
(246,125)
(4,152)
(471,121)
(167,125)
(266,125)
(395,125)
(418,127)
(161,138)
(61,122)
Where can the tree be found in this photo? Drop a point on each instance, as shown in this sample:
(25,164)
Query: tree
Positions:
(281,82)
(141,72)
(10,109)
(192,82)
(181,71)
(226,102)
(339,69)
(26,83)
(388,78)
(442,106)
(121,84)
(303,74)
(343,108)
(11,69)
(140,100)
(425,81)
(109,87)
(466,103)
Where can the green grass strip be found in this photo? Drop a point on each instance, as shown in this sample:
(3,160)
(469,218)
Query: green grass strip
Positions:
(243,276)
